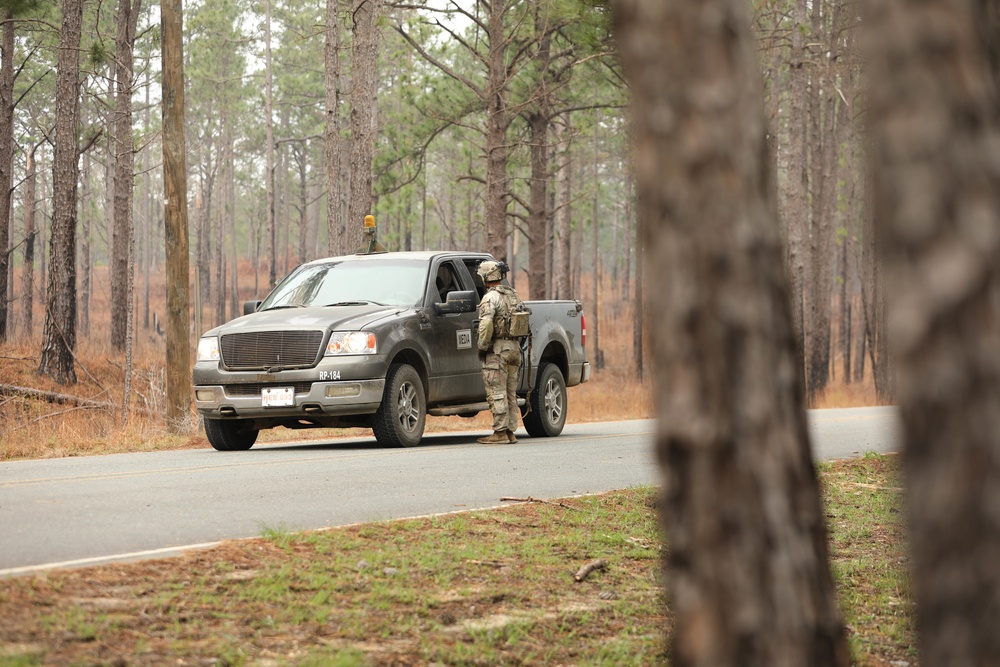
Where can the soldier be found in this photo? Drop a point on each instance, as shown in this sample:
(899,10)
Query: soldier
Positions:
(499,352)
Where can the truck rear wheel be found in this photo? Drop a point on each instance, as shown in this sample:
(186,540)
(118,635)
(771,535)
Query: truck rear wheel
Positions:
(399,421)
(548,403)
(227,435)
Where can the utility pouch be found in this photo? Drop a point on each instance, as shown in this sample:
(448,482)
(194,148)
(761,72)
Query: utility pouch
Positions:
(519,325)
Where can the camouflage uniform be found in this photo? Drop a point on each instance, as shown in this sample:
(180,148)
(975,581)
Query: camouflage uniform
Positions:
(502,359)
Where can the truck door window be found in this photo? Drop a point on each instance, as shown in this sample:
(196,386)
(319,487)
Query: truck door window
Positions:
(446,281)
(472,265)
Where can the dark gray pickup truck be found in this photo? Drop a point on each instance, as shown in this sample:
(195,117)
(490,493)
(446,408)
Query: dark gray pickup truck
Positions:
(377,341)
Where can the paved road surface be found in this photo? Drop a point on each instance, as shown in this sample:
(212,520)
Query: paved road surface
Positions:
(87,510)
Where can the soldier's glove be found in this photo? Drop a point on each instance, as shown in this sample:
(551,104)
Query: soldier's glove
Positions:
(482,355)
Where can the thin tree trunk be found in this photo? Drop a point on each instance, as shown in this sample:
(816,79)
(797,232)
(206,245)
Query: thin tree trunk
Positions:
(269,150)
(595,266)
(6,159)
(795,214)
(538,215)
(363,105)
(753,588)
(59,332)
(332,143)
(86,234)
(561,242)
(123,152)
(30,233)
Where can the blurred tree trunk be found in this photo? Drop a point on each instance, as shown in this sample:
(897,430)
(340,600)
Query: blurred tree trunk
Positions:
(6,158)
(938,198)
(59,332)
(747,570)
(123,152)
(178,352)
(30,234)
(364,102)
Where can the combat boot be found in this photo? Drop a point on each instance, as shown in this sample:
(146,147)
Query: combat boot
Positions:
(497,438)
(510,436)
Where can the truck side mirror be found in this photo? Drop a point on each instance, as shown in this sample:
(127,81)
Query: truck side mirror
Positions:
(250,307)
(458,302)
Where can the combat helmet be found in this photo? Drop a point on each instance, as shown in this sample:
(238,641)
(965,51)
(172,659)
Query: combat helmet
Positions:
(490,271)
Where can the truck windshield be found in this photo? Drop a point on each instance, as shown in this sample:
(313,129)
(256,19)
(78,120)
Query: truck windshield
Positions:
(351,282)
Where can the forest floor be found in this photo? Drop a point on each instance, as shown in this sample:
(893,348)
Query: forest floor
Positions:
(479,588)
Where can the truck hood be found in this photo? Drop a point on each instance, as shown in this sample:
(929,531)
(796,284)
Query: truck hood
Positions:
(333,318)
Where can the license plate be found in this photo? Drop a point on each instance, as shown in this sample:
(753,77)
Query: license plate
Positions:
(277,397)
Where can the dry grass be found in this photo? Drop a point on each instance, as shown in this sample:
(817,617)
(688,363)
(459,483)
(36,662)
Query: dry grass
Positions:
(37,429)
(484,588)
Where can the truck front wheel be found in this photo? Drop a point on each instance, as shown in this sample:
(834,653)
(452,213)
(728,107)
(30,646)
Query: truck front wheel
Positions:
(228,435)
(399,421)
(548,403)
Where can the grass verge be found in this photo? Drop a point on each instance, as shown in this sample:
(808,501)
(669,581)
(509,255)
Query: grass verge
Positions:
(478,588)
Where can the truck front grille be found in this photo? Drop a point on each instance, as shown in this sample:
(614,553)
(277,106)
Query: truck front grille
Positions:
(271,349)
(254,388)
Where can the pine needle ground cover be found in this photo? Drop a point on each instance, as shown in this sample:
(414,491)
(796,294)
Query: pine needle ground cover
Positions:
(477,588)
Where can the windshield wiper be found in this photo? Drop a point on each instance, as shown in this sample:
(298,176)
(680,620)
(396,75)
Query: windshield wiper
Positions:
(355,303)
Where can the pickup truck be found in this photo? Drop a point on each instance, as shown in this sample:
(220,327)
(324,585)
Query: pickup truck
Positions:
(376,340)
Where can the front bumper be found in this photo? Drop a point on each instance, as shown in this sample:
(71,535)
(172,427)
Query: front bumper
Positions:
(350,397)
(336,387)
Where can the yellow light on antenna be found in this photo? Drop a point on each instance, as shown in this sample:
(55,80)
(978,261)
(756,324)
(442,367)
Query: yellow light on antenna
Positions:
(369,221)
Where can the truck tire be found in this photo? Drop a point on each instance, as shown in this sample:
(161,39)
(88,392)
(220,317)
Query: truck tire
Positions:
(548,403)
(399,421)
(226,435)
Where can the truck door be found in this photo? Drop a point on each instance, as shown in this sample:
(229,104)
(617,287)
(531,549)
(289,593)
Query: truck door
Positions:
(455,374)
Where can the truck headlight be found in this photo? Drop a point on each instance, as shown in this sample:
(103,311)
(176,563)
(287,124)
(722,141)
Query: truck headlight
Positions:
(208,348)
(351,342)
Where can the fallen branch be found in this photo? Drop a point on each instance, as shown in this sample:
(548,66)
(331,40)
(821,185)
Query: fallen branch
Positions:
(52,397)
(54,414)
(585,571)
(529,499)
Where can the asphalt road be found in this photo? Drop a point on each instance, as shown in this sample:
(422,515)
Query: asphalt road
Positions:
(73,512)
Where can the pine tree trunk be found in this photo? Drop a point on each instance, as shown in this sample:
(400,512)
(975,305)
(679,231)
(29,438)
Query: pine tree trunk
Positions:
(6,159)
(538,215)
(561,240)
(363,104)
(496,132)
(795,214)
(272,251)
(86,234)
(30,234)
(747,567)
(332,144)
(938,197)
(59,332)
(124,163)
(178,364)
